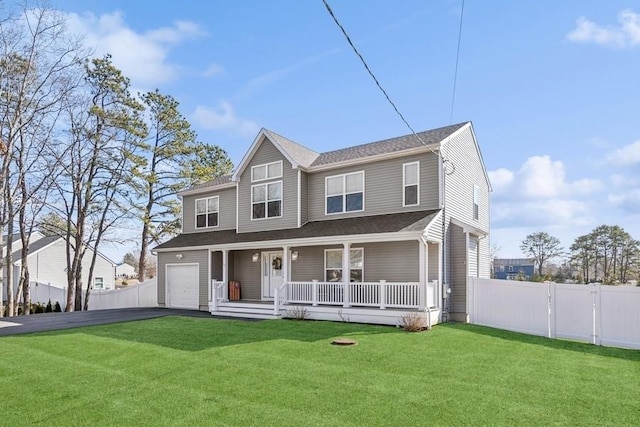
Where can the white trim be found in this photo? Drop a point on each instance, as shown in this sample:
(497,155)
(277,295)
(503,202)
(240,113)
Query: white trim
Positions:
(237,207)
(266,200)
(299,198)
(262,135)
(344,192)
(195,213)
(266,171)
(397,236)
(404,183)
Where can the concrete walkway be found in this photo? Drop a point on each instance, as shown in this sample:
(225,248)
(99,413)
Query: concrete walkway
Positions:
(55,321)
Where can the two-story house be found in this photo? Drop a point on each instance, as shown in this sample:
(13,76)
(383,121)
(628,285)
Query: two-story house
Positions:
(366,233)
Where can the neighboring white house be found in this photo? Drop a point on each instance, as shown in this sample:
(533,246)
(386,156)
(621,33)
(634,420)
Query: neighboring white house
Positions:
(47,264)
(124,270)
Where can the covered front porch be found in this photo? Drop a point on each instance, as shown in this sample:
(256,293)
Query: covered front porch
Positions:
(357,280)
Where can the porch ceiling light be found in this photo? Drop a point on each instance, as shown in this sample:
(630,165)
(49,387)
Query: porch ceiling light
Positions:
(179,256)
(255,256)
(294,256)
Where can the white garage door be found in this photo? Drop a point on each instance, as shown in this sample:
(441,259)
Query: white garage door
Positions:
(182,286)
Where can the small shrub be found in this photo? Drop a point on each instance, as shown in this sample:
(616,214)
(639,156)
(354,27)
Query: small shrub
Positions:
(48,308)
(297,313)
(412,322)
(37,308)
(57,308)
(125,283)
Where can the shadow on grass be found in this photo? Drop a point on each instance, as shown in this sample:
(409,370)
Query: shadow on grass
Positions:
(195,334)
(558,344)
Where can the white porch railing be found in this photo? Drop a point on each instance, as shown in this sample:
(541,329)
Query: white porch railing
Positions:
(380,294)
(216,294)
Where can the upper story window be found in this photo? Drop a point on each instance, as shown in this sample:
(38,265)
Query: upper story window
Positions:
(267,171)
(411,184)
(345,193)
(476,202)
(266,200)
(207,212)
(98,283)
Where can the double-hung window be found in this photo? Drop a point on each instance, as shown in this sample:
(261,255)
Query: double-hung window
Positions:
(207,212)
(411,184)
(98,283)
(476,202)
(333,265)
(271,170)
(345,193)
(266,200)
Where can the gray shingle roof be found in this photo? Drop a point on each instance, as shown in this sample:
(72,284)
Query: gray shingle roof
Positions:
(390,223)
(36,246)
(431,138)
(225,179)
(301,154)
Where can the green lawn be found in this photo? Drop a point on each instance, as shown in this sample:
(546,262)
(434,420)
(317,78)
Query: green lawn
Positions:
(194,371)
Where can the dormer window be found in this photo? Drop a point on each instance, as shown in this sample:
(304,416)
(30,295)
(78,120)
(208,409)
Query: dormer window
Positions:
(207,212)
(345,193)
(271,170)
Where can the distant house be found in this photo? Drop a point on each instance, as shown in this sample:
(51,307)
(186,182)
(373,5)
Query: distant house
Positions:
(124,270)
(513,268)
(47,264)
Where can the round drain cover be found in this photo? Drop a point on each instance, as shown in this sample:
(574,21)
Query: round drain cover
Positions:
(343,341)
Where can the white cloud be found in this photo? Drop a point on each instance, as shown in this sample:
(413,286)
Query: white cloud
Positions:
(626,34)
(542,177)
(628,202)
(213,70)
(500,179)
(223,117)
(143,57)
(625,156)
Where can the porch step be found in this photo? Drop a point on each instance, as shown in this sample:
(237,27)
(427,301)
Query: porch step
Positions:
(246,310)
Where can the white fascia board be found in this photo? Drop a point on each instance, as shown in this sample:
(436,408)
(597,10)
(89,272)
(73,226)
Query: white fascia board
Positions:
(467,228)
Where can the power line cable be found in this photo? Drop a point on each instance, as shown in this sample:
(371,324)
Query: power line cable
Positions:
(455,73)
(370,72)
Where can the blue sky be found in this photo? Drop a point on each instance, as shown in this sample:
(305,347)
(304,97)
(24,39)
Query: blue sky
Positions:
(552,88)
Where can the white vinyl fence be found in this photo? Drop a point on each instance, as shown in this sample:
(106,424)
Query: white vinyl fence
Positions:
(142,295)
(598,314)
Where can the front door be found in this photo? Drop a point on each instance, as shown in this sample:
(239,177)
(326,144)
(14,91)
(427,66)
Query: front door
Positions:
(271,273)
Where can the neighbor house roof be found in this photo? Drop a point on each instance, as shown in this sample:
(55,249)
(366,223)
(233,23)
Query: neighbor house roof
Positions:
(390,223)
(221,180)
(36,246)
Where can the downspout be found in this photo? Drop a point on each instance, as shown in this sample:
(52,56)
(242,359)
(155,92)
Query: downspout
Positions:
(445,300)
(426,285)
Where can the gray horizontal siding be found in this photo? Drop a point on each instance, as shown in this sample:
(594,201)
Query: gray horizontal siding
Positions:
(383,187)
(304,198)
(248,273)
(390,261)
(433,261)
(226,214)
(267,153)
(458,263)
(188,257)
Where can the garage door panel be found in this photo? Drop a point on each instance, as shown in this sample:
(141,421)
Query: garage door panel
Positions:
(183,286)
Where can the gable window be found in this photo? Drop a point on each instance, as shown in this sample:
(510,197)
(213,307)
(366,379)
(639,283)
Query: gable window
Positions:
(333,265)
(476,202)
(266,200)
(411,184)
(345,193)
(271,170)
(98,283)
(207,212)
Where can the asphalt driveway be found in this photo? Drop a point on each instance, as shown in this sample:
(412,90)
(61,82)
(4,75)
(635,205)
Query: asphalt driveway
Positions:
(55,321)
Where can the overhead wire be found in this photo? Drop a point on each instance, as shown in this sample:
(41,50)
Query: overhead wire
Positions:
(455,73)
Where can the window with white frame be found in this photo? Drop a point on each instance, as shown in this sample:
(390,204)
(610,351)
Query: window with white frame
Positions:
(333,265)
(476,202)
(345,193)
(266,200)
(207,212)
(271,170)
(98,283)
(411,184)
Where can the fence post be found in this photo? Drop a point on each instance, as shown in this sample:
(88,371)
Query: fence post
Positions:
(383,294)
(595,294)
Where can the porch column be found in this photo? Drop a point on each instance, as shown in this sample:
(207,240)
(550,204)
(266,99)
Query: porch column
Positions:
(440,288)
(422,272)
(346,273)
(225,274)
(285,264)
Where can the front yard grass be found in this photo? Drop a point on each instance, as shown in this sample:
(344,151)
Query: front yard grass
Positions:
(194,371)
